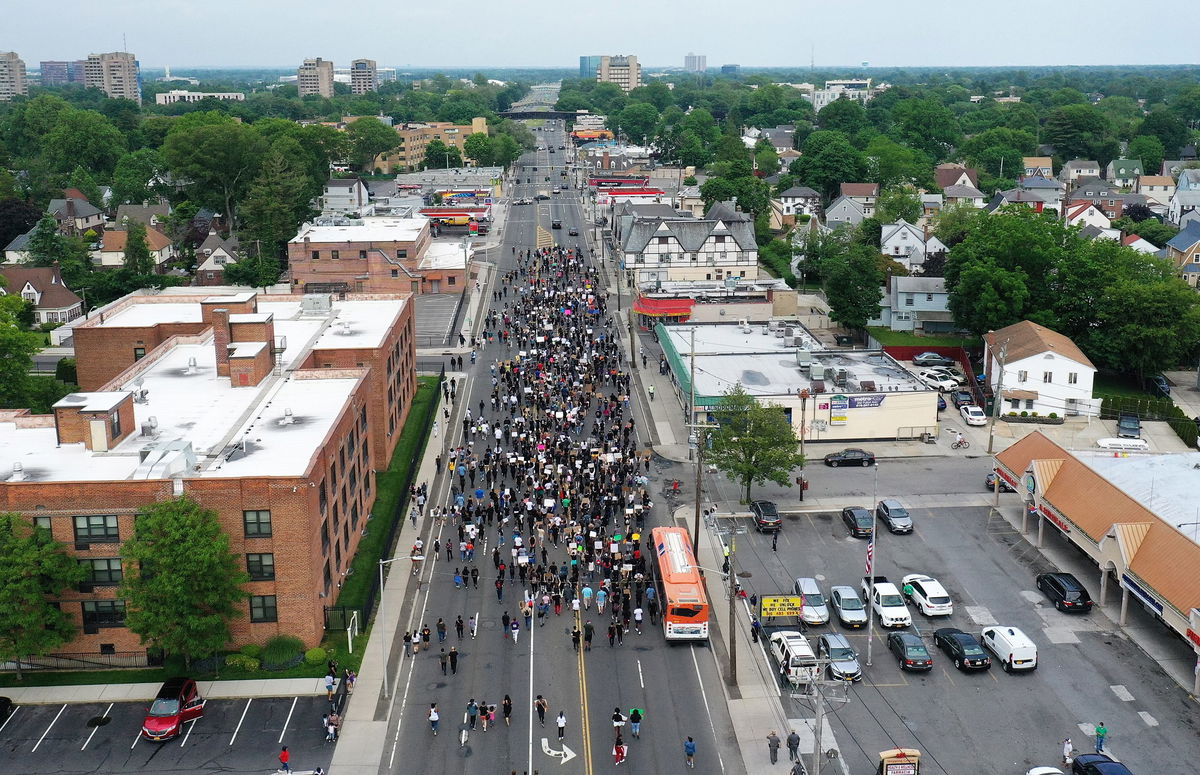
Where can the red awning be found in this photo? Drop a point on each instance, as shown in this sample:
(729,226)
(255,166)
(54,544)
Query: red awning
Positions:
(663,307)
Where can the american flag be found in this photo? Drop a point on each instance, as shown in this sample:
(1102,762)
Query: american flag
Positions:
(870,554)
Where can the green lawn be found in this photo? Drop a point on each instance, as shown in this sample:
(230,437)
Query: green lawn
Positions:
(886,336)
(1113,384)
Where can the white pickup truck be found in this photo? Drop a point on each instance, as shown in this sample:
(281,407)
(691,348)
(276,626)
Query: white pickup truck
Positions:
(886,601)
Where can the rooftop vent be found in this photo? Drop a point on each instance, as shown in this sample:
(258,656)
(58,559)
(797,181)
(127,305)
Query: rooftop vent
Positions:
(191,367)
(18,473)
(288,418)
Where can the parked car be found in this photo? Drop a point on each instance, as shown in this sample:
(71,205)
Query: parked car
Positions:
(848,607)
(1044,771)
(928,594)
(910,651)
(766,516)
(932,359)
(814,610)
(962,648)
(972,415)
(896,517)
(177,701)
(989,482)
(941,402)
(1160,386)
(1066,592)
(858,520)
(1129,425)
(795,657)
(886,601)
(6,708)
(843,660)
(1012,647)
(936,379)
(961,398)
(1097,764)
(850,457)
(955,373)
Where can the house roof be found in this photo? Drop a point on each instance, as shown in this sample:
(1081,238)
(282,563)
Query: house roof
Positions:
(1026,339)
(46,280)
(1124,168)
(1186,239)
(1091,231)
(691,233)
(215,241)
(845,201)
(1039,182)
(1076,209)
(143,213)
(1038,162)
(919,284)
(891,229)
(342,182)
(19,242)
(860,189)
(83,208)
(114,241)
(947,174)
(799,192)
(962,192)
(1156,180)
(1079,164)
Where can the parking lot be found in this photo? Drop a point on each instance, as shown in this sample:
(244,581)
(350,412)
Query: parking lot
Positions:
(1088,670)
(433,318)
(233,736)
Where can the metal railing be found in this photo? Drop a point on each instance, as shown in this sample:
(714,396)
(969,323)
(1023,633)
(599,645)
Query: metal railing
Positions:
(73,661)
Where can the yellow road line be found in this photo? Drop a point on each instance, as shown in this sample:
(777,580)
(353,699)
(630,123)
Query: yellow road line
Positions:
(585,725)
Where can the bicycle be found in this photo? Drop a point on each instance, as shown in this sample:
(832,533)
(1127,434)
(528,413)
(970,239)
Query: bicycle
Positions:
(960,444)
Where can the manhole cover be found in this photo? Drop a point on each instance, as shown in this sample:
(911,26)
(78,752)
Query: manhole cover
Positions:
(98,721)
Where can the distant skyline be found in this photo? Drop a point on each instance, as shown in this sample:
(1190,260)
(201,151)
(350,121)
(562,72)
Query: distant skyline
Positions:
(514,33)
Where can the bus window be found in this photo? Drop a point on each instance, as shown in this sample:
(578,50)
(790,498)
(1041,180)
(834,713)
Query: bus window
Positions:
(685,611)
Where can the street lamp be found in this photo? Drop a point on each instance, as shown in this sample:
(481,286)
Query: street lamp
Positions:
(382,618)
(872,560)
(731,674)
(804,394)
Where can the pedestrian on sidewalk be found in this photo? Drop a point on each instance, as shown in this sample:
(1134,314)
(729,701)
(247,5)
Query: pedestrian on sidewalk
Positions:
(1101,736)
(285,759)
(618,722)
(407,643)
(651,398)
(1067,750)
(330,684)
(689,752)
(516,631)
(775,541)
(588,632)
(471,626)
(416,642)
(798,768)
(506,706)
(575,637)
(441,630)
(793,744)
(504,622)
(458,627)
(773,746)
(618,750)
(472,712)
(453,660)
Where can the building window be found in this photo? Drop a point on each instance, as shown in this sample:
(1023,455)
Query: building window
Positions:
(139,353)
(395,273)
(104,571)
(1047,377)
(262,608)
(261,567)
(908,300)
(450,280)
(96,529)
(1014,403)
(103,613)
(114,423)
(41,523)
(401,254)
(662,240)
(316,255)
(1022,376)
(1072,378)
(258,523)
(1028,403)
(929,297)
(362,254)
(334,255)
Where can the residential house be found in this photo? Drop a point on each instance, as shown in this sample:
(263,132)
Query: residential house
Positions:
(1183,250)
(1049,189)
(658,247)
(781,137)
(690,201)
(17,251)
(53,302)
(863,193)
(1123,173)
(787,157)
(75,217)
(147,213)
(1105,196)
(346,196)
(1033,369)
(908,245)
(213,255)
(950,174)
(1185,207)
(917,304)
(1189,179)
(963,194)
(1079,168)
(1040,166)
(112,248)
(1139,244)
(1157,188)
(1016,196)
(1087,214)
(800,200)
(931,205)
(1172,167)
(845,211)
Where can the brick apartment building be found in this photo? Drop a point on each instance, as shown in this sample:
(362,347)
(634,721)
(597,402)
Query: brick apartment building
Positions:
(409,155)
(274,411)
(374,255)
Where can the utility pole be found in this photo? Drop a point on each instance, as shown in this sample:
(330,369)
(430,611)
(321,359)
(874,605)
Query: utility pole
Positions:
(731,676)
(997,400)
(803,409)
(818,753)
(698,437)
(872,561)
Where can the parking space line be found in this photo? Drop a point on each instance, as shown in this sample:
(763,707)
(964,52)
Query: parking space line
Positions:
(818,534)
(48,728)
(94,729)
(949,677)
(136,737)
(191,726)
(10,718)
(245,710)
(288,720)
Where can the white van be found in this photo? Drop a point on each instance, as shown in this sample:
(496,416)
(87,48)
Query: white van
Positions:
(1124,445)
(1012,647)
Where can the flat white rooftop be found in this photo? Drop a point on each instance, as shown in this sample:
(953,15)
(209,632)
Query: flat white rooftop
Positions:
(444,255)
(372,229)
(1163,484)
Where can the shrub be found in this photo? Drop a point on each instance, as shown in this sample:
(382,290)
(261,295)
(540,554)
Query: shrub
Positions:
(281,649)
(242,662)
(251,650)
(64,371)
(1024,413)
(1012,414)
(316,656)
(1054,415)
(1033,414)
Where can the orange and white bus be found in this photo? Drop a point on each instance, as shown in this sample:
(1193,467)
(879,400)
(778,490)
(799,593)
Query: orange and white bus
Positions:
(681,591)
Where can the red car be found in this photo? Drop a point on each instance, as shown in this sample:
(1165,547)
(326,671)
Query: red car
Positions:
(178,701)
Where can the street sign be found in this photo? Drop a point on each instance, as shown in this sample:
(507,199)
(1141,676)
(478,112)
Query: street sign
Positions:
(770,606)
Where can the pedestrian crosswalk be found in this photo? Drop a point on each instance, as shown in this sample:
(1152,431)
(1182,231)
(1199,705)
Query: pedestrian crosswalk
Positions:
(544,238)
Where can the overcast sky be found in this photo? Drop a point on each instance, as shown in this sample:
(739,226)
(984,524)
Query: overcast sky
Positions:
(517,33)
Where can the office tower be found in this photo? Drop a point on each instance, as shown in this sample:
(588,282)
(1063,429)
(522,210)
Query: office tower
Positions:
(364,76)
(695,63)
(315,76)
(117,74)
(623,70)
(12,76)
(588,66)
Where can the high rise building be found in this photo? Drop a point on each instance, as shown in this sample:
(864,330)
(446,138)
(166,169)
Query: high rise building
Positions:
(731,69)
(588,66)
(364,76)
(117,74)
(58,72)
(315,76)
(12,76)
(695,63)
(623,70)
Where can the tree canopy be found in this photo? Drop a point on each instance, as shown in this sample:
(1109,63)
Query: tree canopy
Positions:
(754,444)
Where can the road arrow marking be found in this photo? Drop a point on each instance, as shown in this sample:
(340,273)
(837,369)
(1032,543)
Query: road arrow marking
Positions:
(566,753)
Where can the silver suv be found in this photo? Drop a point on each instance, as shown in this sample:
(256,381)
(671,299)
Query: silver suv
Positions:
(896,517)
(843,660)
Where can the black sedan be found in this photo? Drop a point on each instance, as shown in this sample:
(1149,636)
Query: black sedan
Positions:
(573,232)
(990,484)
(1097,764)
(962,648)
(910,651)
(962,398)
(859,521)
(850,457)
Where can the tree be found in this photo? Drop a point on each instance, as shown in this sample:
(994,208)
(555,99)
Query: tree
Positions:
(898,203)
(16,352)
(80,179)
(1136,213)
(843,115)
(438,155)
(987,297)
(46,245)
(637,121)
(828,161)
(257,271)
(272,210)
(83,138)
(927,125)
(16,218)
(182,583)
(368,137)
(135,177)
(1080,132)
(34,570)
(754,444)
(218,161)
(138,262)
(955,222)
(1149,150)
(853,286)
(1145,328)
(505,150)
(891,164)
(1168,128)
(478,147)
